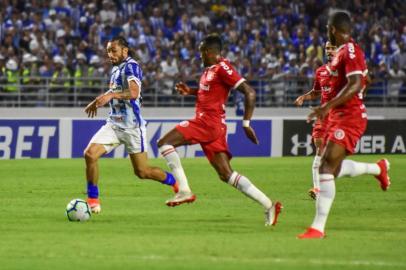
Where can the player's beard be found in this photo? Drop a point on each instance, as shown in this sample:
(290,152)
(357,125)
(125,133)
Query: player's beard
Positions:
(119,60)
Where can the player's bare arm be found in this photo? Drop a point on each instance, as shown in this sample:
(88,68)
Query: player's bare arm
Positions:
(311,95)
(368,81)
(185,90)
(132,93)
(352,87)
(249,105)
(91,108)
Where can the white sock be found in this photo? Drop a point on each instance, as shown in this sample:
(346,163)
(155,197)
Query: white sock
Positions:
(243,184)
(353,168)
(315,170)
(324,201)
(173,161)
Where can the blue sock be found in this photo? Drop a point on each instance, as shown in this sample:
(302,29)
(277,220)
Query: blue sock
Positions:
(170,180)
(92,191)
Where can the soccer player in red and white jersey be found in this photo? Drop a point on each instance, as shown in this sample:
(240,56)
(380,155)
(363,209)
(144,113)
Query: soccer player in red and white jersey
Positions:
(209,129)
(347,118)
(321,88)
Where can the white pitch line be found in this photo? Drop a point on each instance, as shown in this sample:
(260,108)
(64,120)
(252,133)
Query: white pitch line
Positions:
(276,260)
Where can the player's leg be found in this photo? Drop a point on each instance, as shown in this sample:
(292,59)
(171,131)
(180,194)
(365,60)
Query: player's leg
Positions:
(332,157)
(221,163)
(141,168)
(379,170)
(313,192)
(104,141)
(166,147)
(92,154)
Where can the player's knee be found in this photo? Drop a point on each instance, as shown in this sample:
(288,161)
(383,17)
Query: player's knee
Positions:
(90,155)
(327,166)
(160,142)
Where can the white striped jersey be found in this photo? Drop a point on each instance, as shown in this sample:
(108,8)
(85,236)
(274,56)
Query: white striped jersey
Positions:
(126,113)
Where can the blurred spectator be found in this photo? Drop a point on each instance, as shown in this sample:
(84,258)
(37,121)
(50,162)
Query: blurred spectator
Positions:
(169,73)
(200,17)
(60,82)
(156,20)
(95,71)
(81,72)
(315,50)
(12,83)
(397,78)
(108,13)
(400,56)
(143,52)
(2,71)
(278,83)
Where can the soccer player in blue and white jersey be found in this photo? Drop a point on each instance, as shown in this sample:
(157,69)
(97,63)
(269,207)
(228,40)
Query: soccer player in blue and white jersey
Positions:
(124,125)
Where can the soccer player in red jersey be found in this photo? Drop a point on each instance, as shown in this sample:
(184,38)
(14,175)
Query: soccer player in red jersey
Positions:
(321,88)
(209,129)
(347,117)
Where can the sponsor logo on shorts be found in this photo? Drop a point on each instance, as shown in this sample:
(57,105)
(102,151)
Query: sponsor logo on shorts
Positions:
(184,123)
(339,134)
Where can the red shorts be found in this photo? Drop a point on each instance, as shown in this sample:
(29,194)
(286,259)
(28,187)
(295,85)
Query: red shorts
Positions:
(211,135)
(319,128)
(346,130)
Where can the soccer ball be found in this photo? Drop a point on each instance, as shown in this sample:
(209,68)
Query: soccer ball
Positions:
(78,210)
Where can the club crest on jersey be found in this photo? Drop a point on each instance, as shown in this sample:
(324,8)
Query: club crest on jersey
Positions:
(209,76)
(339,134)
(204,87)
(326,88)
(184,124)
(116,88)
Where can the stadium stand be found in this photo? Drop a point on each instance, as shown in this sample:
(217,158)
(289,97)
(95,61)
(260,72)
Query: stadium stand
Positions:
(52,53)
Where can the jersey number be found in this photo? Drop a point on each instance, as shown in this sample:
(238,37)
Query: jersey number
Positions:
(226,68)
(351,50)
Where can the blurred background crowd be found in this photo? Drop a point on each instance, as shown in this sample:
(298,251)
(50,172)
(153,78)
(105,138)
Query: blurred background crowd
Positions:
(64,40)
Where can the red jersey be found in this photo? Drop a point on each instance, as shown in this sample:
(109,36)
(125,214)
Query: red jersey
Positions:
(349,60)
(322,83)
(214,87)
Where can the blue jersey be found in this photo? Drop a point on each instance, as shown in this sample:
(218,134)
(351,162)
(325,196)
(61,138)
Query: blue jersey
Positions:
(126,113)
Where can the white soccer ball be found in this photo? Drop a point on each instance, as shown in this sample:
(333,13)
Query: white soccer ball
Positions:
(78,210)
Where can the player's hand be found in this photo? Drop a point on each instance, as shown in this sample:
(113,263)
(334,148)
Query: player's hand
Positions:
(91,109)
(318,112)
(299,101)
(250,132)
(182,88)
(103,100)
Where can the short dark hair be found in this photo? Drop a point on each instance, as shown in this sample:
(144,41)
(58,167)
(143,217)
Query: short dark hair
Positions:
(213,41)
(341,20)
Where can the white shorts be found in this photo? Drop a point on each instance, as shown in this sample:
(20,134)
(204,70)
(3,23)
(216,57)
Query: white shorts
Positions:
(110,136)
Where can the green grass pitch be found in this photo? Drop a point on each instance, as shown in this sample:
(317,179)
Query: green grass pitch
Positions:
(222,230)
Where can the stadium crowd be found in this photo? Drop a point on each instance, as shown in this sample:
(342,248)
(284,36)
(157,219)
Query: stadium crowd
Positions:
(266,39)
